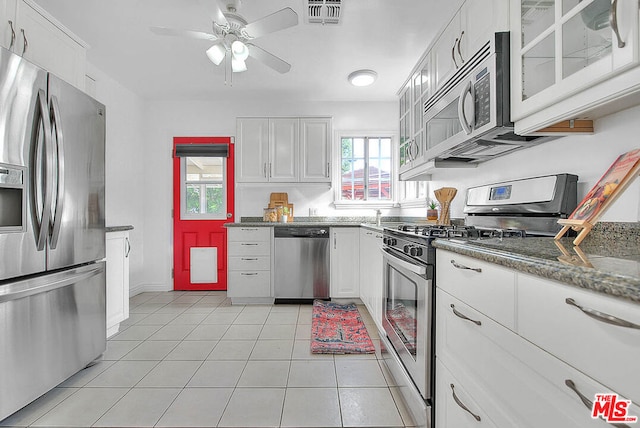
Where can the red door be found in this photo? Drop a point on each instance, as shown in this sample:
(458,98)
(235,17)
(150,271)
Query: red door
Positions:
(203,201)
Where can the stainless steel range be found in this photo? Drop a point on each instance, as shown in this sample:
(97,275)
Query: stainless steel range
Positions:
(514,209)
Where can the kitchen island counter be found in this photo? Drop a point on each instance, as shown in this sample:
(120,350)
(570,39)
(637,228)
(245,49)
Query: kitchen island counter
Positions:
(609,266)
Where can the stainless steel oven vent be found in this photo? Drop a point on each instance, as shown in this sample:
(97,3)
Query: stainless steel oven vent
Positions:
(323,11)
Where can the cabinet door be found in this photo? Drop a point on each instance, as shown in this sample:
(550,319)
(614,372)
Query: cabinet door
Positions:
(371,273)
(444,55)
(405,128)
(252,150)
(7,31)
(117,252)
(48,46)
(560,49)
(345,260)
(315,154)
(283,150)
(480,19)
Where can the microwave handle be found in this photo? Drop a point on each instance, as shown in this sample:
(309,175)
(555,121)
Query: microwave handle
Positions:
(467,125)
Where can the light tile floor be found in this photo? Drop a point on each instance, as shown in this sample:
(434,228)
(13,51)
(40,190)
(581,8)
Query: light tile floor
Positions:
(191,359)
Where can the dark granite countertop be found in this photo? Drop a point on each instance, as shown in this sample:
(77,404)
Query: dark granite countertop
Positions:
(610,266)
(118,228)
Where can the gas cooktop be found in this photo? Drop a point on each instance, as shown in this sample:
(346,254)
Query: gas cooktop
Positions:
(469,232)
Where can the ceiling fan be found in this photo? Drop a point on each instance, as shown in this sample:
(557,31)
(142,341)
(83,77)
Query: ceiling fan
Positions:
(232,36)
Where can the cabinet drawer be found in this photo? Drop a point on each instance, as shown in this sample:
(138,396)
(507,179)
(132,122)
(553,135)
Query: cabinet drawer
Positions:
(520,377)
(449,410)
(249,284)
(249,234)
(608,353)
(490,290)
(250,263)
(249,248)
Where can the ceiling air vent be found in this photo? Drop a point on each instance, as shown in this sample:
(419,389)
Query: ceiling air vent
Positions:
(323,11)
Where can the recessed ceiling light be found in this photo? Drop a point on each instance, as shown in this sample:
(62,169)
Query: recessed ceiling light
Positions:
(362,77)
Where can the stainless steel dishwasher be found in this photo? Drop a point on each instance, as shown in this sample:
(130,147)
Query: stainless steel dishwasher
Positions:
(301,264)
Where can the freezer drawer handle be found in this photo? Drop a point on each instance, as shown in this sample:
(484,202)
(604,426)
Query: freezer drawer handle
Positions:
(459,266)
(587,403)
(25,290)
(601,316)
(461,404)
(463,316)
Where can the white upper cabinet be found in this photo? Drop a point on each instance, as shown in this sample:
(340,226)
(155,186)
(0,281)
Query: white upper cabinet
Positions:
(472,27)
(29,31)
(560,53)
(252,150)
(315,153)
(284,149)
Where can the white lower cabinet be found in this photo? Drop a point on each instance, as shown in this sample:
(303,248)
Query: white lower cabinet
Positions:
(371,273)
(524,377)
(249,264)
(345,262)
(118,248)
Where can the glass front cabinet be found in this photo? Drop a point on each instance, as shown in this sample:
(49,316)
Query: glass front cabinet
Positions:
(562,47)
(412,99)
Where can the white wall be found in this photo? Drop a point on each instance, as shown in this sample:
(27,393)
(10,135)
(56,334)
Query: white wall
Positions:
(165,120)
(125,164)
(587,156)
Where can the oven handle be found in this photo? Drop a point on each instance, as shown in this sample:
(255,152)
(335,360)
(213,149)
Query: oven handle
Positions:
(393,259)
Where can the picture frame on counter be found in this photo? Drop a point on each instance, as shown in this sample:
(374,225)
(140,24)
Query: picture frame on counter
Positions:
(612,184)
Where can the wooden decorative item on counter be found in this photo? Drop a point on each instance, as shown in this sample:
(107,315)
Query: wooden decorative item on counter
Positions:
(445,195)
(277,200)
(611,185)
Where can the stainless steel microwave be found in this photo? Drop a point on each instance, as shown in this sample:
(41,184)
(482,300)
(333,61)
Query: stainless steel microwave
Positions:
(468,119)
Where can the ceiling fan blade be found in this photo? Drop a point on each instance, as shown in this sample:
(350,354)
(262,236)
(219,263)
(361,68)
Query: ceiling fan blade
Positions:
(277,21)
(214,11)
(162,31)
(268,59)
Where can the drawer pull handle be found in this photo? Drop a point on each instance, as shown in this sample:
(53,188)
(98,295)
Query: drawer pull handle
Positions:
(587,403)
(462,406)
(245,229)
(601,316)
(459,266)
(248,245)
(248,274)
(464,317)
(252,259)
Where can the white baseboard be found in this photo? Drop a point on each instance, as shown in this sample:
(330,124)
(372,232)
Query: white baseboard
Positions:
(145,288)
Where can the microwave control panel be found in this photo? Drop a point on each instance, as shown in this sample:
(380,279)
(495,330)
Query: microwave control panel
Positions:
(483,98)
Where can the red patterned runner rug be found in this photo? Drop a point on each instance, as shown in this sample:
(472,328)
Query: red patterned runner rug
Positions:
(338,329)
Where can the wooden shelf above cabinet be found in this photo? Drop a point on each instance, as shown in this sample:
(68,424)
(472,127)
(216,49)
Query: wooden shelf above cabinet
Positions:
(567,127)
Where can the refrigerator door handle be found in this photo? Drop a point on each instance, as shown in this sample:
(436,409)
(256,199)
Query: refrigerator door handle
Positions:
(41,174)
(57,206)
(30,287)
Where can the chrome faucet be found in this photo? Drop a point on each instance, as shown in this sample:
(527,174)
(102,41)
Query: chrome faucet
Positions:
(378,217)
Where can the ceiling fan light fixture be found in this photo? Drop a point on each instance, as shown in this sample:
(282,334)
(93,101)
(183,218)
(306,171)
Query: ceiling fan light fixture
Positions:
(239,50)
(216,54)
(362,77)
(238,65)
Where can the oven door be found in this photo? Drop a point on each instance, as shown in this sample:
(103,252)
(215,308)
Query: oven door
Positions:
(407,314)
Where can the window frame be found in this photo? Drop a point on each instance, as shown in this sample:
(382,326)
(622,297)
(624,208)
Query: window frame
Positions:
(340,203)
(184,214)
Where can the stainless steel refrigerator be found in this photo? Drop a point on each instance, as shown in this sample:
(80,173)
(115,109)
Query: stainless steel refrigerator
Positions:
(52,237)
